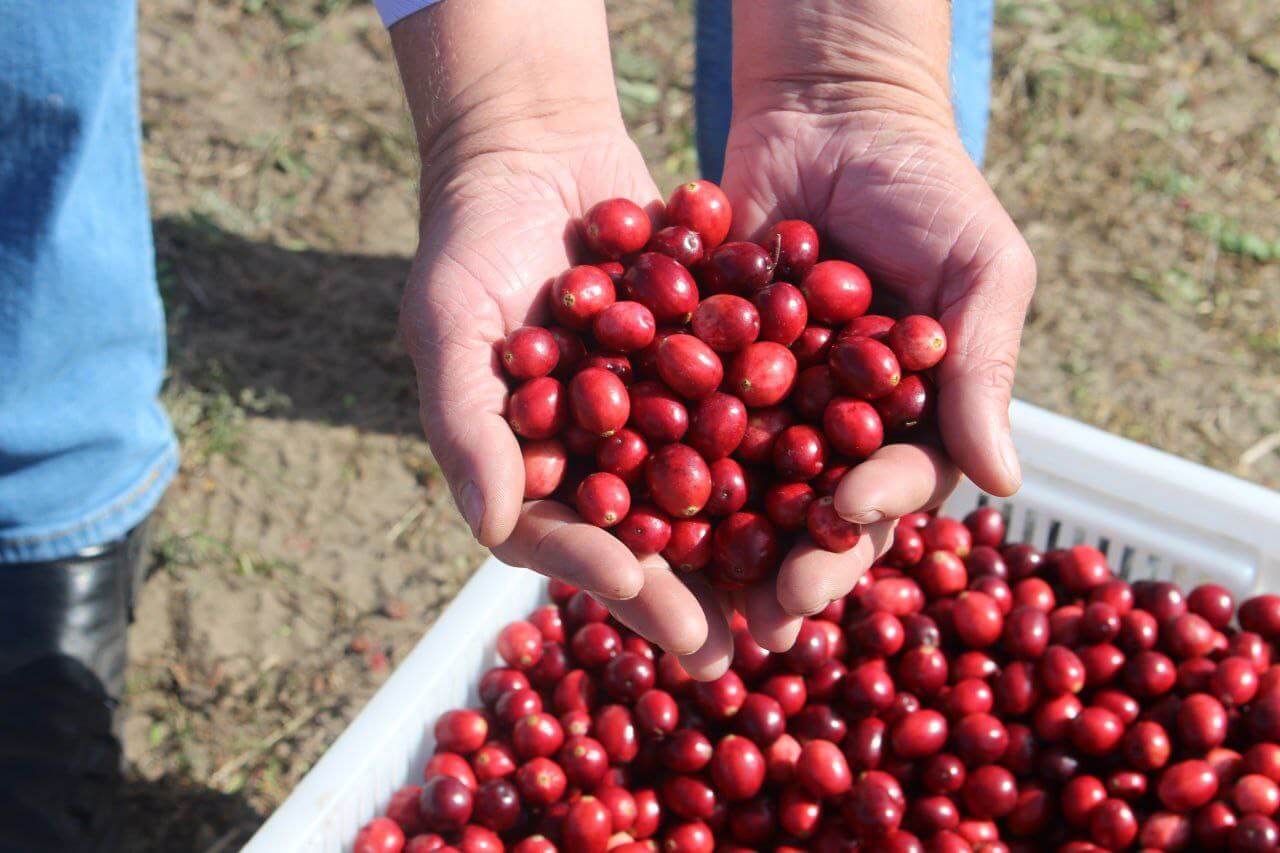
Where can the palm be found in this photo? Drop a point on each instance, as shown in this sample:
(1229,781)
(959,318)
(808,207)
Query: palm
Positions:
(493,238)
(901,197)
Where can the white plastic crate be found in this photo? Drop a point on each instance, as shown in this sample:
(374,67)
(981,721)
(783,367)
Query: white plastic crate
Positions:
(1153,514)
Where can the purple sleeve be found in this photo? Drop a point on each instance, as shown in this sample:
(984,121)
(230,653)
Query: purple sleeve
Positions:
(393,10)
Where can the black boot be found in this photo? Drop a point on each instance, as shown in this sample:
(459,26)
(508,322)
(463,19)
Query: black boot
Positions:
(62,656)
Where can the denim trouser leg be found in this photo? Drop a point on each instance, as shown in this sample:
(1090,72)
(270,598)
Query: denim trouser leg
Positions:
(970,77)
(85,448)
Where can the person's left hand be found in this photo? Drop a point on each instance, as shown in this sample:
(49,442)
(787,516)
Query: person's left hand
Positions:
(895,192)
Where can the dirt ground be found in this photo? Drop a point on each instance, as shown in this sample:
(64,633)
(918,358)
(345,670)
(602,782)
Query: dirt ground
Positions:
(310,534)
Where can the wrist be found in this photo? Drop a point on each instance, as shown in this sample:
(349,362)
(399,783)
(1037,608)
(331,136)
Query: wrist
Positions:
(488,76)
(840,57)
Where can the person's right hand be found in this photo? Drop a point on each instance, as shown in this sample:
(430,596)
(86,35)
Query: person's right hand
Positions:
(493,237)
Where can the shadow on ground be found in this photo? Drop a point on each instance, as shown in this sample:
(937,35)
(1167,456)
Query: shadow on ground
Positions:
(293,333)
(169,814)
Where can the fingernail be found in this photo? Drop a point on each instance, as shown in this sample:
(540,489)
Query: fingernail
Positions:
(869,516)
(1009,459)
(471,502)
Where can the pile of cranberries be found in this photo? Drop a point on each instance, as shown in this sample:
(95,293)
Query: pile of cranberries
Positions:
(968,694)
(702,399)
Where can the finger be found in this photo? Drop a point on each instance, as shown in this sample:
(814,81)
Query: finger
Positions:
(895,480)
(712,659)
(452,342)
(811,578)
(551,539)
(975,380)
(665,612)
(771,627)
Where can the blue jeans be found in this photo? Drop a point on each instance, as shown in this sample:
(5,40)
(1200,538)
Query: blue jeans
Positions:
(85,448)
(971,22)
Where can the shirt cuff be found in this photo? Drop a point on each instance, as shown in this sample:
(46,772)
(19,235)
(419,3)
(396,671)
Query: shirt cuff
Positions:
(393,10)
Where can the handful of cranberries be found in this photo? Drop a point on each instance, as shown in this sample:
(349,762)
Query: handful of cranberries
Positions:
(702,399)
(967,695)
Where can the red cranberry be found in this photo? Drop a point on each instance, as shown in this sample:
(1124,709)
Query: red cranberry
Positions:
(520,644)
(933,814)
(737,768)
(1138,632)
(744,548)
(980,739)
(735,268)
(679,480)
(1026,632)
(827,529)
(1255,794)
(1080,796)
(615,228)
(1053,717)
(984,560)
(682,245)
(878,634)
(538,409)
(753,822)
(462,731)
(941,574)
(1023,561)
(1213,603)
(798,812)
(910,402)
(1187,786)
(918,342)
(968,696)
(762,374)
(497,806)
(1234,682)
(1082,568)
(584,762)
(595,644)
(537,735)
(1113,825)
(868,689)
(689,367)
(1102,663)
(450,764)
(603,499)
(688,797)
(786,505)
(623,454)
(837,292)
(1121,704)
(799,453)
(614,728)
(726,322)
(1096,731)
(978,620)
(761,718)
(819,722)
(1201,722)
(990,792)
(814,389)
(380,835)
(922,670)
(907,548)
(1189,636)
(1165,831)
(544,464)
(918,734)
(783,313)
(1149,674)
(1016,688)
(663,286)
(865,367)
(722,698)
(445,804)
(812,347)
(728,488)
(795,244)
(1213,824)
(578,295)
(1255,834)
(763,427)
(1264,759)
(986,525)
(872,810)
(1100,623)
(718,426)
(575,692)
(702,206)
(1253,648)
(1261,615)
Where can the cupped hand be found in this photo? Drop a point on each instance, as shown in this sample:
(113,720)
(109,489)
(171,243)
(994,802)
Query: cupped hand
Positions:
(896,193)
(497,228)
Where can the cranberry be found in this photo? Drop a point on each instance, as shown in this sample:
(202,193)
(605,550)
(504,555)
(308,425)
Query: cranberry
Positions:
(688,797)
(1255,834)
(783,313)
(1096,731)
(819,722)
(922,670)
(623,454)
(663,286)
(941,574)
(537,735)
(986,525)
(1165,831)
(496,805)
(718,426)
(744,548)
(1263,758)
(795,244)
(1113,825)
(587,826)
(1053,717)
(462,731)
(682,245)
(493,761)
(689,367)
(1100,623)
(827,529)
(1202,722)
(837,292)
(1234,682)
(814,389)
(868,689)
(538,409)
(763,427)
(728,488)
(918,342)
(1187,786)
(584,761)
(918,734)
(872,811)
(737,768)
(990,792)
(1252,648)
(979,739)
(786,505)
(645,530)
(1213,603)
(727,323)
(1016,688)
(1213,824)
(853,426)
(813,346)
(1138,631)
(544,464)
(581,608)
(735,268)
(1080,796)
(578,295)
(799,453)
(985,561)
(1164,601)
(978,620)
(1023,561)
(380,835)
(575,692)
(595,644)
(691,837)
(907,404)
(865,367)
(624,327)
(1189,636)
(445,804)
(1149,674)
(689,547)
(1261,615)
(1026,632)
(762,374)
(603,499)
(615,228)
(761,718)
(703,207)
(907,549)
(798,812)
(1255,794)
(1102,663)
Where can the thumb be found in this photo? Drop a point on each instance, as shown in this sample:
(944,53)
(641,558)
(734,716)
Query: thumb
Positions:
(452,342)
(975,380)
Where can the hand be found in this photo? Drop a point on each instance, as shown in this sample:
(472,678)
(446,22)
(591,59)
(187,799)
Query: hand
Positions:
(509,166)
(879,170)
